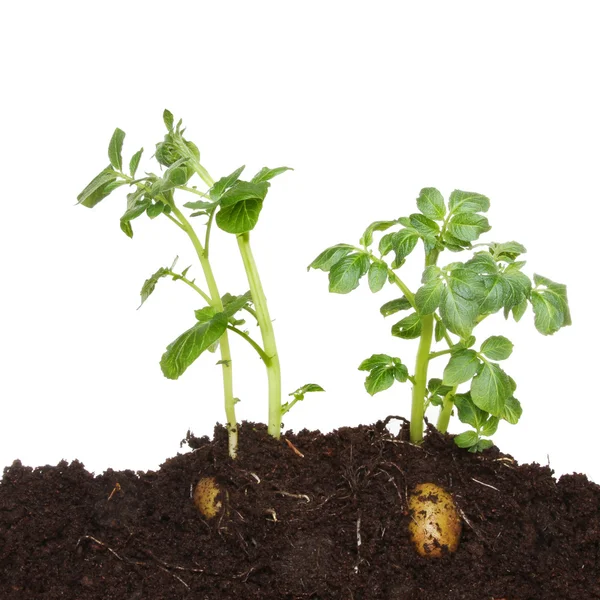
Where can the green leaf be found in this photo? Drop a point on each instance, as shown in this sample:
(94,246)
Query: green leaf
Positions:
(467,284)
(512,410)
(490,426)
(135,161)
(201,205)
(377,275)
(265,174)
(97,189)
(181,353)
(469,413)
(482,263)
(345,275)
(367,236)
(436,386)
(440,331)
(467,439)
(552,310)
(394,306)
(384,370)
(330,257)
(233,304)
(431,203)
(424,225)
(154,210)
(115,148)
(403,243)
(519,310)
(490,389)
(408,328)
(305,389)
(482,445)
(497,347)
(137,204)
(428,297)
(507,251)
(517,287)
(239,218)
(243,191)
(204,315)
(151,282)
(216,191)
(430,273)
(168,119)
(461,367)
(458,313)
(454,244)
(494,296)
(467,227)
(467,202)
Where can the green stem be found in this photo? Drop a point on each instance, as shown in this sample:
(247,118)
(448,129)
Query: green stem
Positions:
(258,349)
(268,336)
(224,340)
(185,280)
(417,416)
(440,353)
(446,411)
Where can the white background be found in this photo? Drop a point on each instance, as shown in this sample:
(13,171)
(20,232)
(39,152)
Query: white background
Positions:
(369,102)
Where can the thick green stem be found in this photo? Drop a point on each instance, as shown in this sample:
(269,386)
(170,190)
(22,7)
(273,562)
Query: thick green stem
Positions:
(268,336)
(224,340)
(417,415)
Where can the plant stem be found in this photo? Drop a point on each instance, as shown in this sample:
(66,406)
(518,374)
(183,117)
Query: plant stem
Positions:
(417,415)
(268,336)
(244,335)
(224,340)
(446,411)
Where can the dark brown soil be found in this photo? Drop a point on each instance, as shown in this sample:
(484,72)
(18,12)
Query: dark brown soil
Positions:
(330,523)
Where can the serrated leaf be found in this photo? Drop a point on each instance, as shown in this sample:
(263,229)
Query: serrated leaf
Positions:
(394,306)
(151,282)
(428,297)
(408,328)
(367,237)
(467,202)
(345,275)
(461,367)
(378,275)
(115,148)
(223,184)
(497,347)
(330,257)
(431,203)
(181,353)
(512,410)
(384,370)
(97,189)
(469,413)
(266,174)
(490,389)
(458,313)
(467,227)
(425,226)
(467,439)
(135,161)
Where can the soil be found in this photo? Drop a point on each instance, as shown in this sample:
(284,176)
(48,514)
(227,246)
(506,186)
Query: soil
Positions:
(310,516)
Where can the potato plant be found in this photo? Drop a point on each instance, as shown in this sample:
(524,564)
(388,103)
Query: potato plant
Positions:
(235,206)
(451,301)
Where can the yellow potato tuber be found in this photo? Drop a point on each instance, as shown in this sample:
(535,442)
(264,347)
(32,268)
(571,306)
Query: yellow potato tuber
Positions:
(435,522)
(207,497)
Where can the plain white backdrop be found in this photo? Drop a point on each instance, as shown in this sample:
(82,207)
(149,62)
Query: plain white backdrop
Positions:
(369,102)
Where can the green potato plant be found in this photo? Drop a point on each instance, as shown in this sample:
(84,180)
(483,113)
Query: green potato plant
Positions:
(235,206)
(446,308)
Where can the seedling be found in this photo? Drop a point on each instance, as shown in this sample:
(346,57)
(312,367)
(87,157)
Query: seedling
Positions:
(234,205)
(451,301)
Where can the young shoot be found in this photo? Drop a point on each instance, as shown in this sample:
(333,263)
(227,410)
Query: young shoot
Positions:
(234,205)
(446,308)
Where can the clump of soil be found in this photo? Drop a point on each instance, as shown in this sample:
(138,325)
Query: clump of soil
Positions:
(310,516)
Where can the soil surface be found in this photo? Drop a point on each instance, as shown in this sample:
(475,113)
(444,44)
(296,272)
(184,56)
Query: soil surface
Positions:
(310,516)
